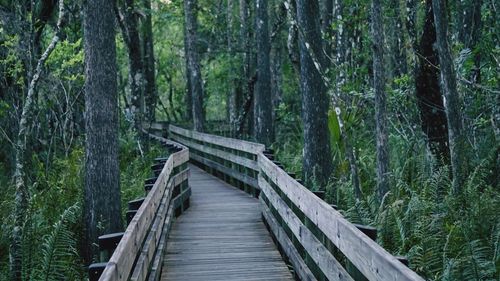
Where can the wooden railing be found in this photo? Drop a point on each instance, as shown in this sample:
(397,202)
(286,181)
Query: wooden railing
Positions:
(232,160)
(316,239)
(137,253)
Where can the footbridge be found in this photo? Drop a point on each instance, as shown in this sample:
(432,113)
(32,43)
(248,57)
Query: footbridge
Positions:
(219,208)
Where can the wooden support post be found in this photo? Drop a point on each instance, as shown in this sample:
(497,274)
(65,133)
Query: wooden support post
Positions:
(135,204)
(95,270)
(403,260)
(108,244)
(148,187)
(129,215)
(150,180)
(320,194)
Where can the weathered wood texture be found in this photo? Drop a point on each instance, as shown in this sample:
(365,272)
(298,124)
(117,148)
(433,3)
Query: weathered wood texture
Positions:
(141,249)
(221,237)
(306,217)
(235,159)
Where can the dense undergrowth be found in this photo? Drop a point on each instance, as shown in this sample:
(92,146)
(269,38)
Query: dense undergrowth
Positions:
(444,235)
(53,228)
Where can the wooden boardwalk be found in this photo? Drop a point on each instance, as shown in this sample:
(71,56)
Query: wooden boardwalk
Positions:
(221,237)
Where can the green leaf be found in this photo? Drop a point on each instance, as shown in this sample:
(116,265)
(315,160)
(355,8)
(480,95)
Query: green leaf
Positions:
(334,128)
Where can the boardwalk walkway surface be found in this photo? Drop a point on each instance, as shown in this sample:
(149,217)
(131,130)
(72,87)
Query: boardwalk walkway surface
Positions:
(221,237)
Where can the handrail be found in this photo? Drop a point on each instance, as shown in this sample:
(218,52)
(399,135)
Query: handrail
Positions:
(317,240)
(233,160)
(139,253)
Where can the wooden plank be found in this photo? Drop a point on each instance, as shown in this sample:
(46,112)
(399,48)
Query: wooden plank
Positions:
(219,153)
(225,170)
(371,259)
(298,263)
(221,237)
(332,269)
(249,147)
(179,199)
(141,267)
(160,253)
(122,260)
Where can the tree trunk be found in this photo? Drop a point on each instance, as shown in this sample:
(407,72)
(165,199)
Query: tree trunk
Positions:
(128,20)
(21,199)
(317,165)
(397,41)
(456,136)
(429,99)
(102,175)
(263,103)
(380,100)
(327,30)
(195,79)
(235,91)
(150,92)
(293,35)
(188,99)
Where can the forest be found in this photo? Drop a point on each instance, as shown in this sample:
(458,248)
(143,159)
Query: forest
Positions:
(389,107)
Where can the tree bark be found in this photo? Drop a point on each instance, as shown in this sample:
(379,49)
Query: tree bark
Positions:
(327,31)
(102,175)
(150,91)
(429,98)
(263,103)
(235,91)
(128,20)
(21,199)
(317,163)
(380,100)
(195,79)
(293,35)
(456,136)
(397,41)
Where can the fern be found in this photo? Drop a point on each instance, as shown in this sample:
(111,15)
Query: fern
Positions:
(58,250)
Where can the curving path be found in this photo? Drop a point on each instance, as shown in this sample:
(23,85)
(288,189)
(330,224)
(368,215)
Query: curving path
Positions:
(221,237)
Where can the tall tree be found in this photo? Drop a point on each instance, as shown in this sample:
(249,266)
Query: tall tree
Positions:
(235,88)
(377,30)
(317,165)
(193,63)
(129,23)
(456,137)
(150,91)
(263,120)
(429,98)
(397,40)
(327,30)
(102,175)
(22,189)
(470,34)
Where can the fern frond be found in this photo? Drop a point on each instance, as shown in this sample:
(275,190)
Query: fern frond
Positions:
(58,250)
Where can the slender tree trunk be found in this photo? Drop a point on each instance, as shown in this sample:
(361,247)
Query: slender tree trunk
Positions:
(293,36)
(150,92)
(429,98)
(21,199)
(128,20)
(263,104)
(317,166)
(235,91)
(102,175)
(456,137)
(380,100)
(397,41)
(190,14)
(327,31)
(188,99)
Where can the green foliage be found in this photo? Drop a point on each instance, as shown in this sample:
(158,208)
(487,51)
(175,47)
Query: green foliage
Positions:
(59,255)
